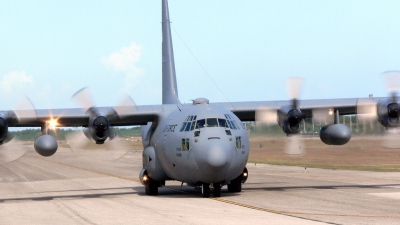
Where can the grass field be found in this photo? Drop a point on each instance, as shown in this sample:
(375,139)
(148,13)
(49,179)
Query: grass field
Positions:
(361,153)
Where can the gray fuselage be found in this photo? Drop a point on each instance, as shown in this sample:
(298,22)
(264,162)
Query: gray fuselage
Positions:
(199,143)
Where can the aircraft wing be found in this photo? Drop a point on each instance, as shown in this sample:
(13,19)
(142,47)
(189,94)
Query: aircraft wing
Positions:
(246,111)
(75,117)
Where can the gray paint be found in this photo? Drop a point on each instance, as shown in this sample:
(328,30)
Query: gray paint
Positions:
(169,87)
(335,134)
(46,145)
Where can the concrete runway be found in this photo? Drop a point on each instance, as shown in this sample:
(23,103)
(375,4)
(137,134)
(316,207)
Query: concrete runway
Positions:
(101,187)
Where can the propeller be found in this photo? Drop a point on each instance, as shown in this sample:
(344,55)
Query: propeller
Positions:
(99,130)
(270,116)
(386,111)
(10,148)
(294,146)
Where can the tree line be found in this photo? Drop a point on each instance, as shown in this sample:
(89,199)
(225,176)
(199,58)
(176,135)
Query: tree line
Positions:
(60,133)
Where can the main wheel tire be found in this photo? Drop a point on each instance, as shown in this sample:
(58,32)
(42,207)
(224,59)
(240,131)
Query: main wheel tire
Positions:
(217,190)
(235,185)
(152,187)
(205,190)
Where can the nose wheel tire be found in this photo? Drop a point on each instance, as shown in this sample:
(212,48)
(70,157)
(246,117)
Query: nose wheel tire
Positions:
(205,190)
(217,190)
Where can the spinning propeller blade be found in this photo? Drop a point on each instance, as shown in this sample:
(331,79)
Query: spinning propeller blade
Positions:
(82,139)
(12,149)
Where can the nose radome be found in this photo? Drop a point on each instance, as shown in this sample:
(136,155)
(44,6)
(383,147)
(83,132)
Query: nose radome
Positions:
(218,155)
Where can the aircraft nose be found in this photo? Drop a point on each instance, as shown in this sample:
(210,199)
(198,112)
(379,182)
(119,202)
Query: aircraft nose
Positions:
(217,155)
(214,160)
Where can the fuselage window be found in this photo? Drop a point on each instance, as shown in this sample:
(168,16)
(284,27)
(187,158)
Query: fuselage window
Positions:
(183,126)
(197,133)
(185,144)
(200,123)
(212,122)
(228,132)
(239,142)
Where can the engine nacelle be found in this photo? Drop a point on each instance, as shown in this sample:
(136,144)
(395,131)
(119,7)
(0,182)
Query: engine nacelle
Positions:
(289,119)
(152,165)
(4,135)
(46,145)
(99,128)
(335,134)
(388,112)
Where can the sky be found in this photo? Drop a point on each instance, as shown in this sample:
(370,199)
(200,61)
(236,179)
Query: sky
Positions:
(225,50)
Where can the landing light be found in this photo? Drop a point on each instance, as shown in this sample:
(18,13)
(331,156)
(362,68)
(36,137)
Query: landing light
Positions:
(52,124)
(144,178)
(245,174)
(330,112)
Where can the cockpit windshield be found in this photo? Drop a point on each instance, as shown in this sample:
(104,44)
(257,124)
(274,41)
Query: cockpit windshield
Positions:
(228,123)
(211,122)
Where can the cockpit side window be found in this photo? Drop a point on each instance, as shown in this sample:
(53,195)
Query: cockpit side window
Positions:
(229,124)
(222,122)
(193,125)
(183,127)
(200,123)
(235,125)
(189,124)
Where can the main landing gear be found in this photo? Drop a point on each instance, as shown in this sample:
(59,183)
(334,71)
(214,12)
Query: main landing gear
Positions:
(152,187)
(235,185)
(205,190)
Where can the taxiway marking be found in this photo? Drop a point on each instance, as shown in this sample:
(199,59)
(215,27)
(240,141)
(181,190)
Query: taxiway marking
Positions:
(286,213)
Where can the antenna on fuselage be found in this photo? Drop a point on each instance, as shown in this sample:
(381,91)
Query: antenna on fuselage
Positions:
(169,87)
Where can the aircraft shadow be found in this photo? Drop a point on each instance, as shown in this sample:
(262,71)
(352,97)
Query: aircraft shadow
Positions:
(69,196)
(177,191)
(324,187)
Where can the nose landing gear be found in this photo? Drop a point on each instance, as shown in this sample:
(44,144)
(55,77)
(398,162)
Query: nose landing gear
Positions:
(217,189)
(205,190)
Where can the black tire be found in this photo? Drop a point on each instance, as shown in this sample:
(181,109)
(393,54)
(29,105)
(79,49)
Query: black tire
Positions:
(152,187)
(217,190)
(205,190)
(236,184)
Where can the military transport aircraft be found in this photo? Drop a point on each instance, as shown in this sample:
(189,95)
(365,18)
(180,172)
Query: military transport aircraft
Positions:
(202,144)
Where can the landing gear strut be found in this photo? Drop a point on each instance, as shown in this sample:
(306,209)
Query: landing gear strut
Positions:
(217,189)
(235,185)
(205,190)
